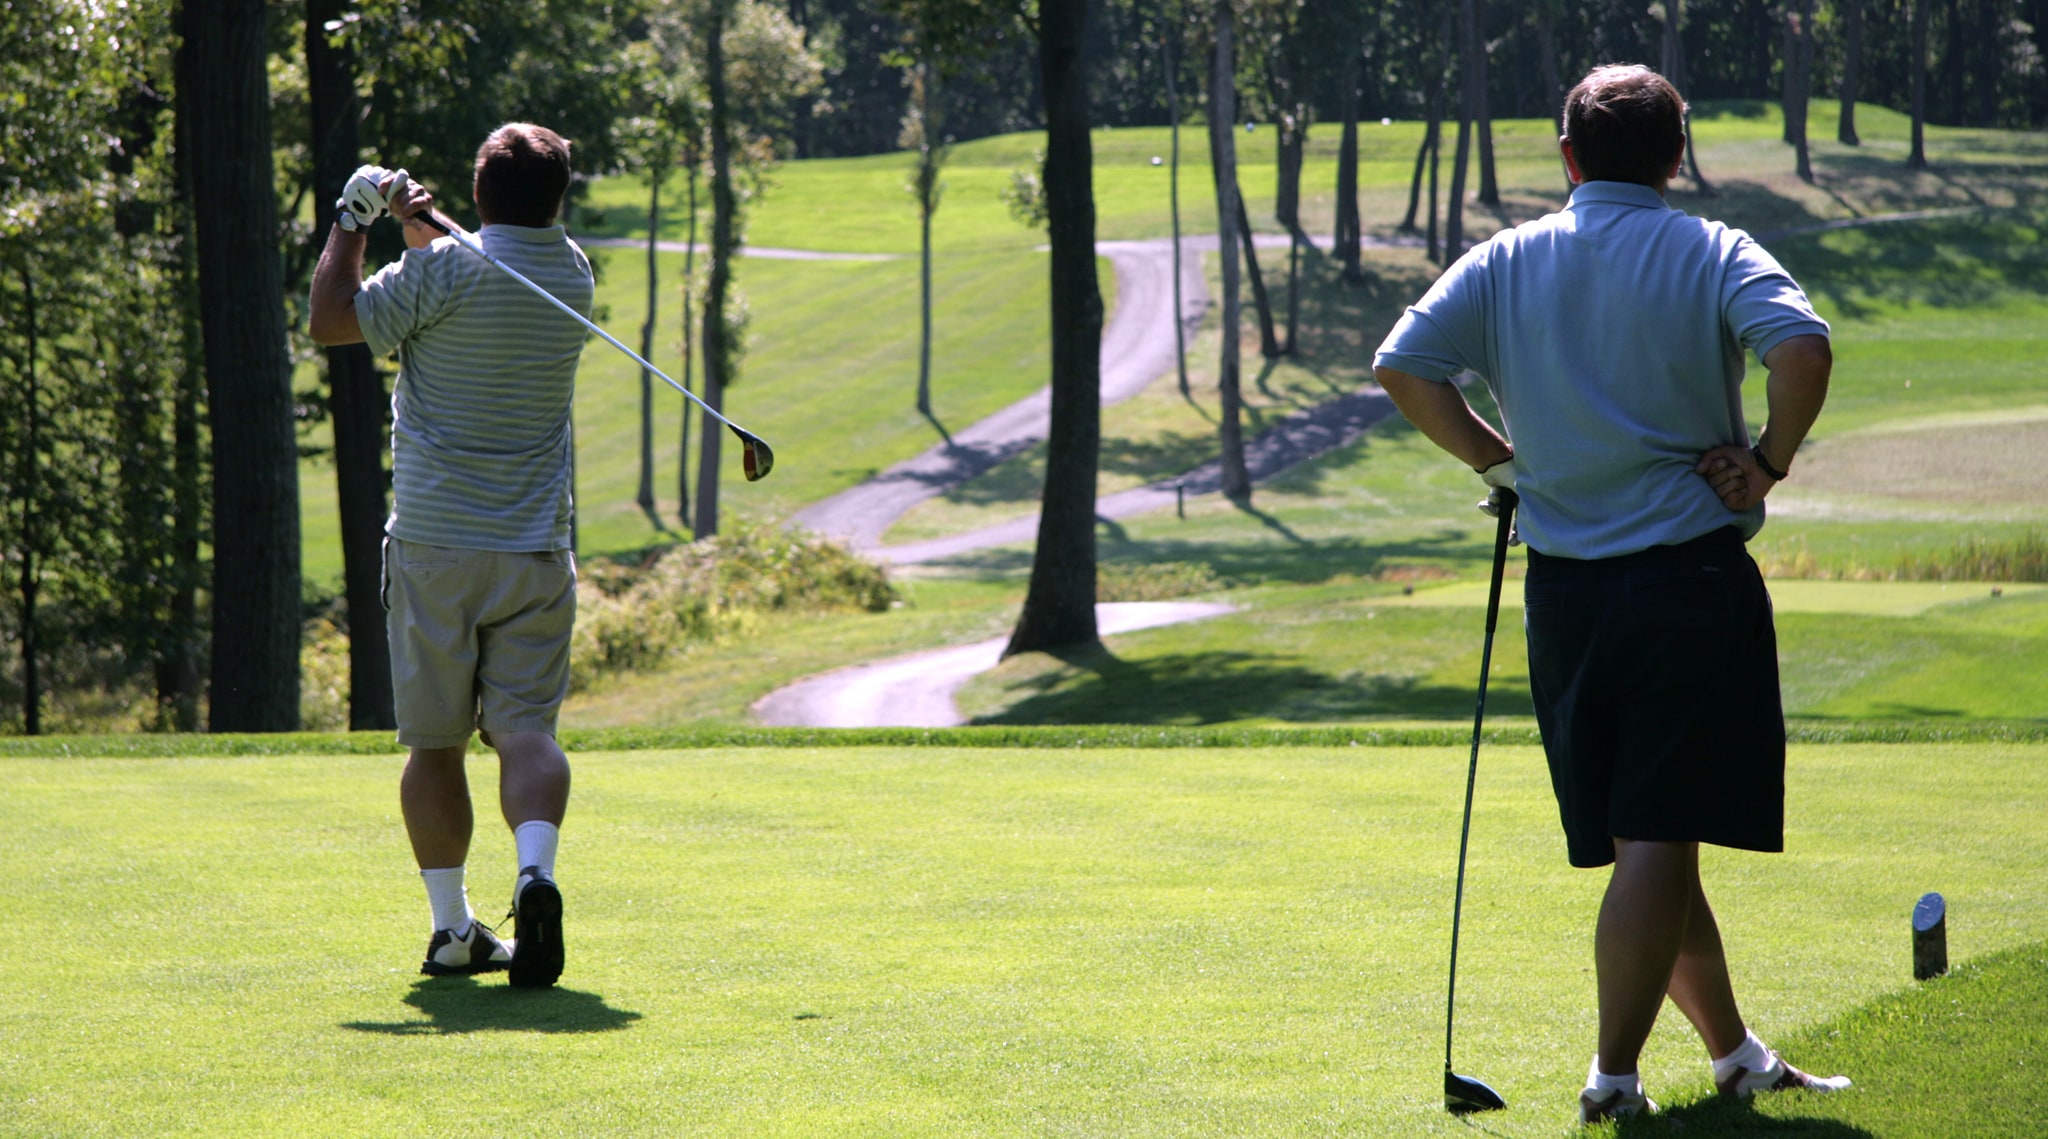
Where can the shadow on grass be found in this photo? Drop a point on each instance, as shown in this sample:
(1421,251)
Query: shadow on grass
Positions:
(454,1005)
(1302,561)
(1097,687)
(1714,1117)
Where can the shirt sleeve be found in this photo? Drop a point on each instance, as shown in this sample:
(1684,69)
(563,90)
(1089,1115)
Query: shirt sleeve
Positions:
(1762,304)
(399,300)
(1443,334)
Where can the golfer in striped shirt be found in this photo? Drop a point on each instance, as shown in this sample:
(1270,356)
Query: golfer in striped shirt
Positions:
(1613,335)
(480,580)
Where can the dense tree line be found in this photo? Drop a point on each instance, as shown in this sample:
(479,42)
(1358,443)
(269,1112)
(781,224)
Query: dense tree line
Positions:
(166,169)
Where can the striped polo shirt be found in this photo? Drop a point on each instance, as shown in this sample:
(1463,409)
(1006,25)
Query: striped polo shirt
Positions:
(1612,335)
(480,414)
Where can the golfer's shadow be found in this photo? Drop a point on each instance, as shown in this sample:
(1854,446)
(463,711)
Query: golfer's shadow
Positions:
(1715,1115)
(459,1004)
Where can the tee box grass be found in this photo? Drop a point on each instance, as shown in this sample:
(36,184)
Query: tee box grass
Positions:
(861,941)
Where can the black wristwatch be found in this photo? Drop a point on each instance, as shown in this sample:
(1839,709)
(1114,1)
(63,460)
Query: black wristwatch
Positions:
(1763,464)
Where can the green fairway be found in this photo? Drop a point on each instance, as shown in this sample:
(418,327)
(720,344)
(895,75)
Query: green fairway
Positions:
(940,941)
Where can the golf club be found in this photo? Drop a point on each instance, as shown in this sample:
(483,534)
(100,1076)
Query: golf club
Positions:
(755,457)
(1463,1094)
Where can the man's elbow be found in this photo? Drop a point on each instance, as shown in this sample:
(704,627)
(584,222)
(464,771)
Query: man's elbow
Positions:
(333,329)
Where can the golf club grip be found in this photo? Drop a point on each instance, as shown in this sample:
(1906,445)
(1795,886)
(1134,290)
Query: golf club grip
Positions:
(431,220)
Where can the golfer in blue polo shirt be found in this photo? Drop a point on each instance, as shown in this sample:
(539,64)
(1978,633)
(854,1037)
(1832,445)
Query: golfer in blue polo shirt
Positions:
(1612,336)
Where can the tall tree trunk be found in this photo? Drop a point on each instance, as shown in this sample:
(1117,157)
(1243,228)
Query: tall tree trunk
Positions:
(645,494)
(178,662)
(1350,230)
(1059,604)
(1990,68)
(1801,61)
(1546,46)
(1180,330)
(223,85)
(357,404)
(1852,70)
(1262,302)
(29,481)
(717,352)
(1475,100)
(1432,52)
(1237,483)
(1917,160)
(1674,70)
(1454,221)
(1287,207)
(689,343)
(929,156)
(1953,68)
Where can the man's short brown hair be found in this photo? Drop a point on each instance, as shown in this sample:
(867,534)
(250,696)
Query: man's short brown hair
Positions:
(522,171)
(1626,123)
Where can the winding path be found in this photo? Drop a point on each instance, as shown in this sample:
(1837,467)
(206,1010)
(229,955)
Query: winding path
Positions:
(916,690)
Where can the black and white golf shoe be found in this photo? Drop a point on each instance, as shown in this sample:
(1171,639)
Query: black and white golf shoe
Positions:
(476,951)
(536,930)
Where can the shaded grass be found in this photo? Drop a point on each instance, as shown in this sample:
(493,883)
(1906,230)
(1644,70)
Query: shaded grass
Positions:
(924,942)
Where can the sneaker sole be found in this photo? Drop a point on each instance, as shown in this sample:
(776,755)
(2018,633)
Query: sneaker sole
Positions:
(537,936)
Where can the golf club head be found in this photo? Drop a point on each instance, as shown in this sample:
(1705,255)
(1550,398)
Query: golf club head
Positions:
(755,457)
(1464,1096)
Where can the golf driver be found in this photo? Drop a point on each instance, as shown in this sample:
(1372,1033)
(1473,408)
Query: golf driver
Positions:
(1463,1094)
(755,457)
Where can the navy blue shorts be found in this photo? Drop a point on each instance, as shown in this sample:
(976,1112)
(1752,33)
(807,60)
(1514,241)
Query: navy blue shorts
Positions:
(1655,679)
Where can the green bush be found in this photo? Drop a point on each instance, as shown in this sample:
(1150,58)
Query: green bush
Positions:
(636,616)
(1158,581)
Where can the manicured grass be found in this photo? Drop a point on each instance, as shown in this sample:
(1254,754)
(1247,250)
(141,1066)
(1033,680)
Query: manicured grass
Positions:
(936,942)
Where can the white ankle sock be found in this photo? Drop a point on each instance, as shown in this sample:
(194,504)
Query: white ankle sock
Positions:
(1751,1054)
(536,841)
(449,896)
(1599,1081)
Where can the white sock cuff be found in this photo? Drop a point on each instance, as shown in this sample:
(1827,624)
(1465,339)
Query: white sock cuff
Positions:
(536,840)
(448,894)
(1599,1081)
(1751,1054)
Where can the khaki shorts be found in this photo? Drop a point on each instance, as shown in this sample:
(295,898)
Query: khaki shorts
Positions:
(479,639)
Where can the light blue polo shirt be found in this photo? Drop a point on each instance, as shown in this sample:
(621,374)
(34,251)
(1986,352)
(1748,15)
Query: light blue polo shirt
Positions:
(1612,335)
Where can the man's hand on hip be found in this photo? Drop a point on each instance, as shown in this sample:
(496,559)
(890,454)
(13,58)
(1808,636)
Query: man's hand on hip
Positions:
(1733,474)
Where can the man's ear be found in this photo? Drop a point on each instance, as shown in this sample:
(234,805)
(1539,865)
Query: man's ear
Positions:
(1571,161)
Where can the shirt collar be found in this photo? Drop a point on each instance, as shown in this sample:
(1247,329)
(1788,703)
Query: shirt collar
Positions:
(1620,194)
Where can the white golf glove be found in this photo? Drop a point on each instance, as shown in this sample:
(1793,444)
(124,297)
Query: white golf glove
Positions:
(363,199)
(1500,477)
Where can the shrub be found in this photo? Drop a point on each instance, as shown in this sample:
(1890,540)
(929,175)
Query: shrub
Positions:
(1158,581)
(635,616)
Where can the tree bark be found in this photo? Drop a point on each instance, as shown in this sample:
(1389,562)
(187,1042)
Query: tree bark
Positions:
(178,663)
(1059,604)
(645,493)
(1237,483)
(1475,98)
(717,352)
(689,341)
(357,403)
(1852,70)
(1917,160)
(1350,229)
(1546,46)
(1454,221)
(1180,330)
(1798,64)
(224,86)
(28,480)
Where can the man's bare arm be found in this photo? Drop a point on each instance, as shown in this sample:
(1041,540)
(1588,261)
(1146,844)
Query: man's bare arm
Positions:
(1440,412)
(336,280)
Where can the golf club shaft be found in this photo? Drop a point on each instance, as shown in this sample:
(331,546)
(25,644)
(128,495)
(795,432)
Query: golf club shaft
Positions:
(456,232)
(1500,560)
